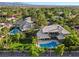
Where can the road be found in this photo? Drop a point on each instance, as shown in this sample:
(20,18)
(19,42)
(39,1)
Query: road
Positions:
(46,54)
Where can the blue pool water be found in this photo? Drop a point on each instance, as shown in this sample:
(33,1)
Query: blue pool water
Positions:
(14,31)
(52,44)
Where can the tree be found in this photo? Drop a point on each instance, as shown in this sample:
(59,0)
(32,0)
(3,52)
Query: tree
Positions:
(71,41)
(60,49)
(22,36)
(33,49)
(18,46)
(67,28)
(41,20)
(6,39)
(1,44)
(4,31)
(17,37)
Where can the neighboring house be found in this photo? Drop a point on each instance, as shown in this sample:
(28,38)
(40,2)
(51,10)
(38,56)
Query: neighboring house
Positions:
(55,32)
(25,24)
(8,25)
(60,12)
(11,18)
(76,29)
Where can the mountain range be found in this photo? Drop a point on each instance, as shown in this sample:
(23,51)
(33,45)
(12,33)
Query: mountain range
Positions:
(30,5)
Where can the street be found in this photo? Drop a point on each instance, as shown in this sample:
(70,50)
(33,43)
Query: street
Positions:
(46,54)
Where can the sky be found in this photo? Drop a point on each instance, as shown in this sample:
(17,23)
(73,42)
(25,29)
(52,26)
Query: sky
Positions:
(53,3)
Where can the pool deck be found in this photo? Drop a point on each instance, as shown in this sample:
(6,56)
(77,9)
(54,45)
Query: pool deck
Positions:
(45,41)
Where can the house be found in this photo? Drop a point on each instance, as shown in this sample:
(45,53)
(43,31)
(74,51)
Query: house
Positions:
(11,18)
(41,35)
(76,28)
(25,24)
(50,36)
(8,25)
(52,31)
(55,28)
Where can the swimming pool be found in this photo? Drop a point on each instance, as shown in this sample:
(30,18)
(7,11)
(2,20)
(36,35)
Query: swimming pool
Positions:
(14,31)
(51,44)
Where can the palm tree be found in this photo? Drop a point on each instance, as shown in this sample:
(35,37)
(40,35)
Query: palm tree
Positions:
(6,37)
(60,49)
(33,49)
(41,20)
(17,36)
